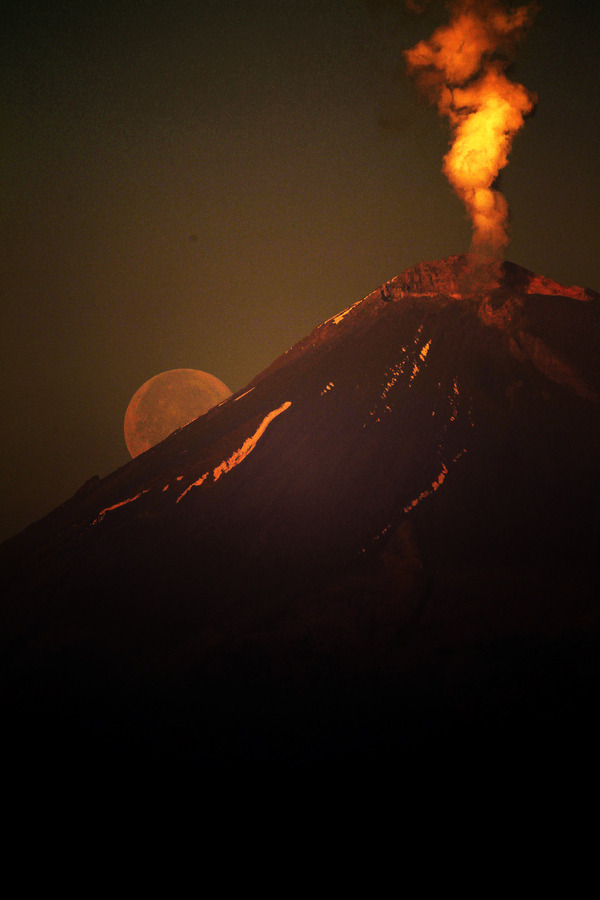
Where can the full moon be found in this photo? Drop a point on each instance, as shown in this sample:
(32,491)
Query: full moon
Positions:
(166,402)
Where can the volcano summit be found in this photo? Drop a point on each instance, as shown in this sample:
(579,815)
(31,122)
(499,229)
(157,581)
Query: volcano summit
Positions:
(389,535)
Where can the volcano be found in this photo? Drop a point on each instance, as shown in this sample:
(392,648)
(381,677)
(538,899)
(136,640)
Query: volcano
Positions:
(389,538)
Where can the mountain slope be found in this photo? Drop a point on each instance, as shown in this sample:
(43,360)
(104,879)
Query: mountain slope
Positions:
(408,495)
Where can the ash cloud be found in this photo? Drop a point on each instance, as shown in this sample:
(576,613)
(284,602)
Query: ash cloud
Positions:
(461,69)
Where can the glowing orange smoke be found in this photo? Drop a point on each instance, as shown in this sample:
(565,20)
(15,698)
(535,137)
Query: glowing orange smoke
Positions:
(461,69)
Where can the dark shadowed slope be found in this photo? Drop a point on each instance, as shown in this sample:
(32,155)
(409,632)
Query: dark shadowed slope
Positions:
(399,517)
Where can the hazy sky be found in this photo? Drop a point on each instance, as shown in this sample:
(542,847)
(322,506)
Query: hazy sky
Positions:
(200,184)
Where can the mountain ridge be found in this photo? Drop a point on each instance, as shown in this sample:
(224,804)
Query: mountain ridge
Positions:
(408,496)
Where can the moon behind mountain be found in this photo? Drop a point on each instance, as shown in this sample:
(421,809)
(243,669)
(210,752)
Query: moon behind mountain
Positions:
(166,402)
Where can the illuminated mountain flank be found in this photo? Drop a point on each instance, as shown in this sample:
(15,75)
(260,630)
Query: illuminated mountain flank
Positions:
(400,513)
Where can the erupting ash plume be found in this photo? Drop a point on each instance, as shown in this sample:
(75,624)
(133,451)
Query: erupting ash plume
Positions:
(461,68)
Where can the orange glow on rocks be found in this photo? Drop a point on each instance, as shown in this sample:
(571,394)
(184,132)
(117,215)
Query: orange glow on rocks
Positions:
(461,68)
(242,452)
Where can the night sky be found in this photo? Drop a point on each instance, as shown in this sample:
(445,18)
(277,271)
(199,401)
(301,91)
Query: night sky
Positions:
(200,184)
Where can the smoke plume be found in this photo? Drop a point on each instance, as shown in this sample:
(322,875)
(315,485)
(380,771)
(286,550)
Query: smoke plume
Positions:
(461,68)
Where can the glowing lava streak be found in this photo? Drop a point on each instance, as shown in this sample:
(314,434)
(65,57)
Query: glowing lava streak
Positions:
(250,443)
(247,447)
(461,68)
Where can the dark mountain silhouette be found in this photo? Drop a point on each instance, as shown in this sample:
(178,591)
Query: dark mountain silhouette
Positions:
(387,540)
